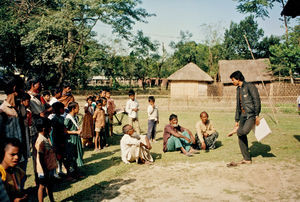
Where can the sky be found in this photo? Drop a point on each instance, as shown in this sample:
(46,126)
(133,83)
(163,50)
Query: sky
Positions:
(172,16)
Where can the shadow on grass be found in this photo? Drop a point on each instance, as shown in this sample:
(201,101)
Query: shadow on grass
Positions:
(159,139)
(156,156)
(115,140)
(89,170)
(105,190)
(259,149)
(218,144)
(100,155)
(297,137)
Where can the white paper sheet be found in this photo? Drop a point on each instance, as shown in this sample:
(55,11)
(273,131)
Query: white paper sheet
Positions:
(262,130)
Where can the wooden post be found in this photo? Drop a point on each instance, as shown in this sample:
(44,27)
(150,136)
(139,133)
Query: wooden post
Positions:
(264,87)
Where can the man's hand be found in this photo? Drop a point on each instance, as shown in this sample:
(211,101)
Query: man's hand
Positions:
(79,132)
(135,109)
(236,124)
(257,121)
(203,145)
(205,134)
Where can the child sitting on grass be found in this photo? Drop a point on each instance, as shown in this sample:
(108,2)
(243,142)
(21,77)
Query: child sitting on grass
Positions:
(45,160)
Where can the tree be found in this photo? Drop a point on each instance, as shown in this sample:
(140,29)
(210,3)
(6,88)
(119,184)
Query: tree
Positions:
(143,49)
(234,41)
(263,47)
(186,51)
(55,32)
(213,39)
(260,8)
(285,57)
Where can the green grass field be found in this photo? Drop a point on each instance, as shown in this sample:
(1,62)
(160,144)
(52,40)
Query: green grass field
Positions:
(105,168)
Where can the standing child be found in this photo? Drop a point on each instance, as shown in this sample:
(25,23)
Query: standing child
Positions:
(45,159)
(111,110)
(58,135)
(88,123)
(132,108)
(153,119)
(56,94)
(74,146)
(106,128)
(99,118)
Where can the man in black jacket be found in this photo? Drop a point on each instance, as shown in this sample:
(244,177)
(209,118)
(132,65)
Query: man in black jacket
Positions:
(248,107)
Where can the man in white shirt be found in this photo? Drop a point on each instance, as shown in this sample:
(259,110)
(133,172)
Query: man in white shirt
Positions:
(132,108)
(134,147)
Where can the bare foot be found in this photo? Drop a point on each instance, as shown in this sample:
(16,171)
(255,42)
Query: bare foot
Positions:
(188,154)
(193,151)
(245,162)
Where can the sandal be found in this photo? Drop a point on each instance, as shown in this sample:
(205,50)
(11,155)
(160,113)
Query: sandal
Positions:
(232,164)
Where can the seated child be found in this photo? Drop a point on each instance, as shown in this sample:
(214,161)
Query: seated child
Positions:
(45,160)
(207,135)
(10,173)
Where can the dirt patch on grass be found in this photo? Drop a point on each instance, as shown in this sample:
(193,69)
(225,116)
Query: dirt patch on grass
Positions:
(211,181)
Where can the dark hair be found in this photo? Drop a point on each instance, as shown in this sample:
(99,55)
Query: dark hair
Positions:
(99,102)
(204,112)
(56,91)
(12,141)
(57,106)
(151,98)
(25,96)
(237,75)
(108,90)
(125,128)
(9,83)
(103,98)
(42,123)
(172,116)
(131,92)
(33,81)
(90,98)
(66,85)
(72,105)
(46,93)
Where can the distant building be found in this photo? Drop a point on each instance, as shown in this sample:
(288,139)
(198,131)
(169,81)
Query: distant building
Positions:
(100,80)
(189,81)
(254,71)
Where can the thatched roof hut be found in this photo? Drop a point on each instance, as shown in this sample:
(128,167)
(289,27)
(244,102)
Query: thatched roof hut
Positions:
(253,70)
(189,81)
(190,72)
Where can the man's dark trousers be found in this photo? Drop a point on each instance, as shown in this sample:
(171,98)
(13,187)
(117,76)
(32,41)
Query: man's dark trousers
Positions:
(245,126)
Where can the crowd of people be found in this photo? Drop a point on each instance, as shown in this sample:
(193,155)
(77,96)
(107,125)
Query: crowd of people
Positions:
(48,130)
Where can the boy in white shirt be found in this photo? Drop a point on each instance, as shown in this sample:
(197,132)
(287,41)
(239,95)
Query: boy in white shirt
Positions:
(132,108)
(152,118)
